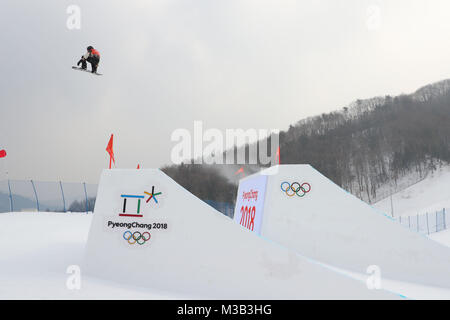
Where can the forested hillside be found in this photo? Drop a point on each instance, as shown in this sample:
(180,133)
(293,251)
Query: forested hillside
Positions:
(363,147)
(375,142)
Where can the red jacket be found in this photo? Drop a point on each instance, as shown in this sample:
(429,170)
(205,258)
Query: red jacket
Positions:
(95,53)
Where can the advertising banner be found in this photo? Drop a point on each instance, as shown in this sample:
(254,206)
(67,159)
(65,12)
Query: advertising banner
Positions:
(249,208)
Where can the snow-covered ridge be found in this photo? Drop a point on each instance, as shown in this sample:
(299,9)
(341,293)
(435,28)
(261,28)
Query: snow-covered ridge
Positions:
(358,107)
(428,195)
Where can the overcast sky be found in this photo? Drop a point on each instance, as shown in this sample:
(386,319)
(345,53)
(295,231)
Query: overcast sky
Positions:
(232,64)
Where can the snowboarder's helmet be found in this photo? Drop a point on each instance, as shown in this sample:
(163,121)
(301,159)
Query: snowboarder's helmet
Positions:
(90,48)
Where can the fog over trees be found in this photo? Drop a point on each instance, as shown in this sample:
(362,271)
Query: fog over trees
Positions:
(204,181)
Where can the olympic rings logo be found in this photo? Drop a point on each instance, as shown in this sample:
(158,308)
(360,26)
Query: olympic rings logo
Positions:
(295,188)
(136,237)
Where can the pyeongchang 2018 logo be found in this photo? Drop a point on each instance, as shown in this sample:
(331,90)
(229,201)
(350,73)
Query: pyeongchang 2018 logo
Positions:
(127,198)
(138,232)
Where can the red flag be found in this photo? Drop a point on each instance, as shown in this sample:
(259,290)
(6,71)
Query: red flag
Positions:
(2,153)
(138,166)
(109,149)
(278,155)
(241,170)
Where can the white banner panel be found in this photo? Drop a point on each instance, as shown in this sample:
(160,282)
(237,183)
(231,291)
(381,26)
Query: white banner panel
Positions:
(249,208)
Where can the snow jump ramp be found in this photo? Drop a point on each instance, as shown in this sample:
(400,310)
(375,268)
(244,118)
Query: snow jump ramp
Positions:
(298,207)
(148,231)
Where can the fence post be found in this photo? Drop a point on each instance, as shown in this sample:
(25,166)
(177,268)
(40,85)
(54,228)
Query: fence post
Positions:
(400,217)
(35,194)
(409,222)
(428,228)
(445,224)
(436,221)
(417,222)
(85,194)
(63,198)
(392,205)
(10,197)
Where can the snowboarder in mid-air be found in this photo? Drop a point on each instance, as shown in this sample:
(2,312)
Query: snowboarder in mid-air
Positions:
(93,57)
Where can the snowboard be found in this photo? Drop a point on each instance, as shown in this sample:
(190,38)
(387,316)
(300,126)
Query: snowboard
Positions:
(86,70)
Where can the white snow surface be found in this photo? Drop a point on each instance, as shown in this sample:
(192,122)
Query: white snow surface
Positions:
(35,267)
(37,248)
(429,195)
(442,237)
(204,256)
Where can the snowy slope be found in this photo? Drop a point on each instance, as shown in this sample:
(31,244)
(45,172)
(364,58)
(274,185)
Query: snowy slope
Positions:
(34,267)
(332,226)
(429,195)
(37,249)
(442,237)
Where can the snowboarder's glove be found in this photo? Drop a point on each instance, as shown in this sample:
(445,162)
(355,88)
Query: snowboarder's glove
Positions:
(79,62)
